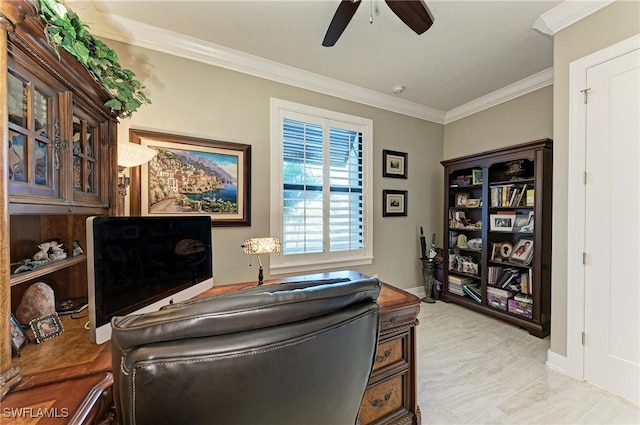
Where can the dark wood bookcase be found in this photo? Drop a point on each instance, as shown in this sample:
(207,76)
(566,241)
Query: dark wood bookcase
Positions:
(497,234)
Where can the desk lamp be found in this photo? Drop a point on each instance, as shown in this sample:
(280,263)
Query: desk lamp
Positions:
(260,246)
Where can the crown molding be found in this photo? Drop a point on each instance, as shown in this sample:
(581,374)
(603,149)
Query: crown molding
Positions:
(567,13)
(517,89)
(173,43)
(176,44)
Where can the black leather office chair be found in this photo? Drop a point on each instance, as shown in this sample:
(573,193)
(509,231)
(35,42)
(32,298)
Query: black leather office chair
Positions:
(294,353)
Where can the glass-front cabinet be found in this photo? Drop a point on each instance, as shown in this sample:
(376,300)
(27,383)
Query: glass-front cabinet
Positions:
(56,146)
(33,137)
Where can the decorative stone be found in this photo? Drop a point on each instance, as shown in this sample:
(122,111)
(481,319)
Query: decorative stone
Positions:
(38,300)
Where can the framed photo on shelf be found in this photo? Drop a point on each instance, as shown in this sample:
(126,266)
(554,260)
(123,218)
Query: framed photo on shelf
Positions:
(46,327)
(18,336)
(394,164)
(476,177)
(502,222)
(190,176)
(394,203)
(522,252)
(461,199)
(521,221)
(473,203)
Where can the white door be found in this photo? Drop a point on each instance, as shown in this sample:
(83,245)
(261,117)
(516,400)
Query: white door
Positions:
(612,230)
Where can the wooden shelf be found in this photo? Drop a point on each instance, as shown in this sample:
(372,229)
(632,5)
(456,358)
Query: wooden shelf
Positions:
(495,168)
(46,269)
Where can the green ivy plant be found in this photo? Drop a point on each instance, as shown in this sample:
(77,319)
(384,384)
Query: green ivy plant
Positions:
(65,30)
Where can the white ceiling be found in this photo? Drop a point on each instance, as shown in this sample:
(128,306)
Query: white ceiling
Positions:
(474,47)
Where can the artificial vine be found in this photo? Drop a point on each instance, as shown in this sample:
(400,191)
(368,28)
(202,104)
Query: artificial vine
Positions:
(65,30)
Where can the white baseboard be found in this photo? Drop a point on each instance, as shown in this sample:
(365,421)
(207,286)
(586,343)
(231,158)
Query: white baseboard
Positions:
(418,291)
(557,362)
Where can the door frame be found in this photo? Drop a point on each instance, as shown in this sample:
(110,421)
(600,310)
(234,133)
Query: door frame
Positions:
(576,213)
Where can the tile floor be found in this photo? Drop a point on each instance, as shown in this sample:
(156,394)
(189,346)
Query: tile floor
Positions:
(473,369)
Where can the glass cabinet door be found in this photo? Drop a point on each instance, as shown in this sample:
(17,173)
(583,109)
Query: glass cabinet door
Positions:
(35,148)
(89,138)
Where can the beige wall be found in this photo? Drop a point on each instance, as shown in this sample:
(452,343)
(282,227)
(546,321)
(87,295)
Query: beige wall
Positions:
(545,113)
(520,120)
(616,22)
(191,98)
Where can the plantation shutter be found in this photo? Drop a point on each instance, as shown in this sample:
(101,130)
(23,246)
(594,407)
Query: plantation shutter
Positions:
(322,187)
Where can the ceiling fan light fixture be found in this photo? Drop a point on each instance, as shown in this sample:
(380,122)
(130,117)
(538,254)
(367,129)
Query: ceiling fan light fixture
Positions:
(398,89)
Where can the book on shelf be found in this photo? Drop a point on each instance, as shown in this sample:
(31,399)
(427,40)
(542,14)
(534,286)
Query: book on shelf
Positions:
(507,276)
(471,291)
(456,288)
(459,279)
(524,298)
(531,197)
(499,292)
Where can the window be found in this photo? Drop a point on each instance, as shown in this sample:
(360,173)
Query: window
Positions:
(320,188)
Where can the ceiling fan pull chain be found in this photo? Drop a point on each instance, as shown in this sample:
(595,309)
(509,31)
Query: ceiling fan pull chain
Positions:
(371,12)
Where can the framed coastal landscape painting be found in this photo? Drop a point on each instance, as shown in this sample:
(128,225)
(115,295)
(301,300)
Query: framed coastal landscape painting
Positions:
(190,175)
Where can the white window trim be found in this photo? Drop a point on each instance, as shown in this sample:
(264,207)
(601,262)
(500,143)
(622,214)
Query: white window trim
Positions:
(278,263)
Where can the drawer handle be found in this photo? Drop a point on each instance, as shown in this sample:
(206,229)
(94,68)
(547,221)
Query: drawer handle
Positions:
(392,319)
(381,359)
(381,403)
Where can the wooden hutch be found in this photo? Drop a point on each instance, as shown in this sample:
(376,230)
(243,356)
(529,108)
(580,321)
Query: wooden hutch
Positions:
(58,163)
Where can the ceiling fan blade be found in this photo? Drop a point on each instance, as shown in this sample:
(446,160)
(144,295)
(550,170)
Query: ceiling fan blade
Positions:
(343,15)
(414,13)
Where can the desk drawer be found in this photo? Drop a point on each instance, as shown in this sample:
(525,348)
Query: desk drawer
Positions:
(390,352)
(399,317)
(384,399)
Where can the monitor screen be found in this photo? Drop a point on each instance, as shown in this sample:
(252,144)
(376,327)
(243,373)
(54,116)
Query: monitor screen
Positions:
(139,264)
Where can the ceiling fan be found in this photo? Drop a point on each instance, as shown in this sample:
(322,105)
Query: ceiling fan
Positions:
(414,13)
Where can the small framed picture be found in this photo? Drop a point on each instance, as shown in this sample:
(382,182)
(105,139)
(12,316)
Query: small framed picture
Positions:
(476,177)
(46,327)
(18,336)
(461,199)
(394,203)
(502,222)
(522,252)
(473,203)
(394,164)
(520,221)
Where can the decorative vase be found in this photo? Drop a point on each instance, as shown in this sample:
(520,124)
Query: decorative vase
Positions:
(428,278)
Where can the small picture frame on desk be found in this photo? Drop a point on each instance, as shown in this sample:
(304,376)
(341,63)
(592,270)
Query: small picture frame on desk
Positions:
(18,336)
(46,327)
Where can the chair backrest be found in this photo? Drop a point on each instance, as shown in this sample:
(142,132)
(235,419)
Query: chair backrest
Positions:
(293,353)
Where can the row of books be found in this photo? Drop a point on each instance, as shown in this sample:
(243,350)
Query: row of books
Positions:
(511,278)
(508,195)
(503,299)
(456,282)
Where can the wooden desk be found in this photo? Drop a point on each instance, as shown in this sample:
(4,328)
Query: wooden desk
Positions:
(68,376)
